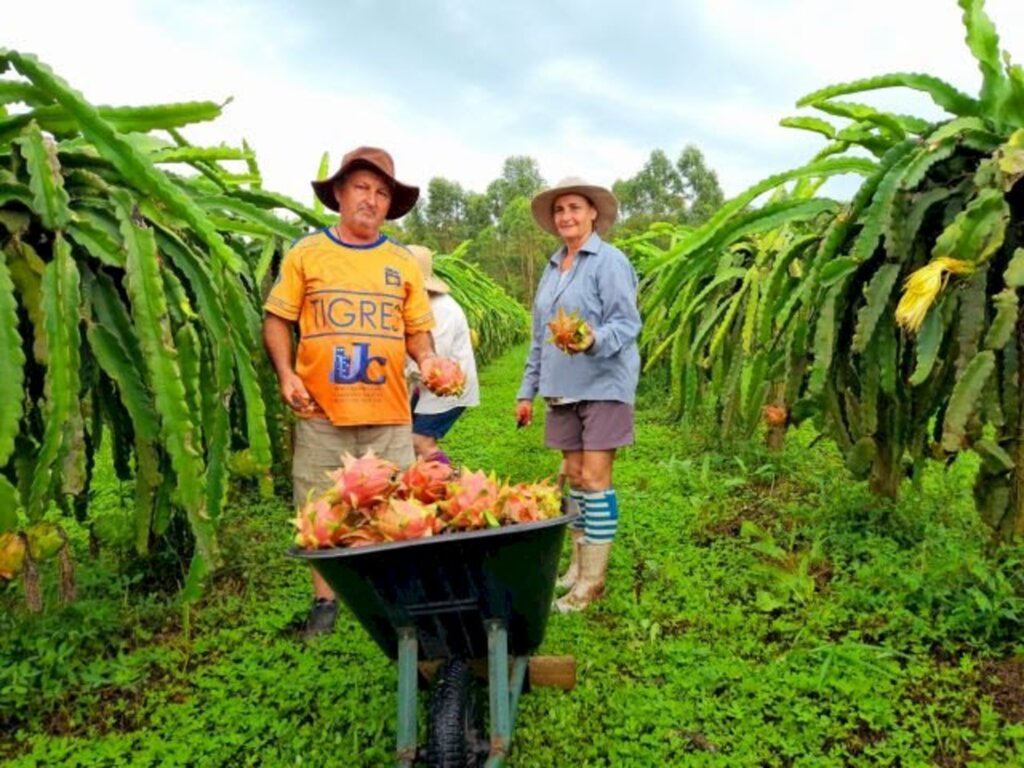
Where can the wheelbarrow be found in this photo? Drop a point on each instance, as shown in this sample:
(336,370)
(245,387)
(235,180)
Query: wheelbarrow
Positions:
(445,604)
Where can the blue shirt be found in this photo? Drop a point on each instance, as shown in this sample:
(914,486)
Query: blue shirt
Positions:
(601,285)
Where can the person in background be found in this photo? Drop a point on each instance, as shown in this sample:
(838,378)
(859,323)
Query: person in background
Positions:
(358,300)
(434,415)
(589,385)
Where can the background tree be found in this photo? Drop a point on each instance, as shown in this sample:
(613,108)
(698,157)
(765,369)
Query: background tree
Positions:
(445,213)
(520,177)
(654,193)
(702,195)
(686,192)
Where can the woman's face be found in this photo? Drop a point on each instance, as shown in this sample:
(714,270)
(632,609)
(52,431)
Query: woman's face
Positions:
(574,217)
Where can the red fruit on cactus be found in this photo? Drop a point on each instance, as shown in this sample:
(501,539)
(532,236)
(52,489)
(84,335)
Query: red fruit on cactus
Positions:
(12,554)
(401,519)
(443,377)
(775,415)
(318,523)
(426,481)
(568,331)
(361,482)
(472,501)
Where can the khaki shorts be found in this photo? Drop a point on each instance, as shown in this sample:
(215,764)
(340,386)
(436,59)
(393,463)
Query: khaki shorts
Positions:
(319,446)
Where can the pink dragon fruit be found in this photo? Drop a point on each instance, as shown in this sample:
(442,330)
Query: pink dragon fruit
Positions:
(443,376)
(426,481)
(472,501)
(402,519)
(528,502)
(361,482)
(318,523)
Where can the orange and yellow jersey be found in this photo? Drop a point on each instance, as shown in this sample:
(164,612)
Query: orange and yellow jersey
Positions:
(354,305)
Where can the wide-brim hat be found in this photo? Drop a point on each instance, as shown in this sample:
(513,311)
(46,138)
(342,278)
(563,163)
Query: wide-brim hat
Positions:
(425,260)
(602,199)
(403,196)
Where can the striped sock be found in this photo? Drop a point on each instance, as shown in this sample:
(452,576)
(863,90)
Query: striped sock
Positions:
(602,516)
(581,502)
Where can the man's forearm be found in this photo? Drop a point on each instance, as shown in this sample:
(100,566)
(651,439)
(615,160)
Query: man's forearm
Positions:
(277,338)
(420,346)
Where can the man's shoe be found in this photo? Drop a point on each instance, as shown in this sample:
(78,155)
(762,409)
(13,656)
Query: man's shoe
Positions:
(322,617)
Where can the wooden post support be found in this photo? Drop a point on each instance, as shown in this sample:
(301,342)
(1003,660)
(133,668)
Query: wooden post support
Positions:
(555,671)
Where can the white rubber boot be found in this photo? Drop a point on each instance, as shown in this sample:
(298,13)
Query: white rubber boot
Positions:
(590,584)
(568,579)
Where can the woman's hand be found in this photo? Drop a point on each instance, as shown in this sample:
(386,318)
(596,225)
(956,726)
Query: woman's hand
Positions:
(585,342)
(524,413)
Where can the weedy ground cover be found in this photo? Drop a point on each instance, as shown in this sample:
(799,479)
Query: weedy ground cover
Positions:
(764,609)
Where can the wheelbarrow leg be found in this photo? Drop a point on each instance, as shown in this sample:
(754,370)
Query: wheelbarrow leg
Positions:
(503,702)
(406,696)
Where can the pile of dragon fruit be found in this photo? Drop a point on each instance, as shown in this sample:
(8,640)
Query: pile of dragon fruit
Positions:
(371,501)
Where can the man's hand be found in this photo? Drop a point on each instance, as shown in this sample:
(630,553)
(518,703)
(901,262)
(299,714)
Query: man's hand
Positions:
(443,376)
(524,413)
(295,394)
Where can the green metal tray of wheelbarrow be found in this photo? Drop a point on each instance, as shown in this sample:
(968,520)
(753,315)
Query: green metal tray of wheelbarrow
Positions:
(455,596)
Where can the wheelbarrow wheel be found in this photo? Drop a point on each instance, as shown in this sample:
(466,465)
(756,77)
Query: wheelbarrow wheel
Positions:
(454,727)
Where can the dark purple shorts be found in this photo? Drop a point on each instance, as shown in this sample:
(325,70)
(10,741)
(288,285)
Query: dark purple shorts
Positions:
(589,425)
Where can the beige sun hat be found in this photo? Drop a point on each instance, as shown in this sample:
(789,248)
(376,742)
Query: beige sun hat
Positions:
(425,261)
(602,199)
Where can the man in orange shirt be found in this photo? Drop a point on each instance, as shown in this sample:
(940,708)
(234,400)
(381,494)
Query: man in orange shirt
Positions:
(360,305)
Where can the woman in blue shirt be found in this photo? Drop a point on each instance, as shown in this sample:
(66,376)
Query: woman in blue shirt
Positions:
(589,386)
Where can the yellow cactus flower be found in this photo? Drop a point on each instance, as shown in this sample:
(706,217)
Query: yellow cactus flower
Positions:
(923,286)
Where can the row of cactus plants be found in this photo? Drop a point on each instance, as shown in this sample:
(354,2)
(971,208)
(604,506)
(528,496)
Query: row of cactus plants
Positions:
(128,307)
(892,320)
(132,268)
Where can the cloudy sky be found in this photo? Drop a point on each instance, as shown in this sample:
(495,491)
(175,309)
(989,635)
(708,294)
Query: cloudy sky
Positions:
(453,87)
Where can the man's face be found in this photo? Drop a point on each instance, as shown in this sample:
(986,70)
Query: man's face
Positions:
(363,201)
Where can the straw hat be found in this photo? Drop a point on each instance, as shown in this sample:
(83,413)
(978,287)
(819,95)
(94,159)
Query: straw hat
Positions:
(403,196)
(602,199)
(425,261)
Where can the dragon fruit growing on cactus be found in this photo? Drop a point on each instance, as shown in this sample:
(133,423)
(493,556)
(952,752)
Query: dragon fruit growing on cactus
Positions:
(12,554)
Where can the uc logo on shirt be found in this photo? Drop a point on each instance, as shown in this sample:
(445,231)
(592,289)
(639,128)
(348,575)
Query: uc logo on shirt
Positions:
(356,368)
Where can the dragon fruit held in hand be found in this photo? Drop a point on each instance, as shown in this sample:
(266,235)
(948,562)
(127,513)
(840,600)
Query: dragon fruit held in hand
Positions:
(443,376)
(568,331)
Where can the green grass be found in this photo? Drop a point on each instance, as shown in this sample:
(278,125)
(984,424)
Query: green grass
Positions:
(763,610)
